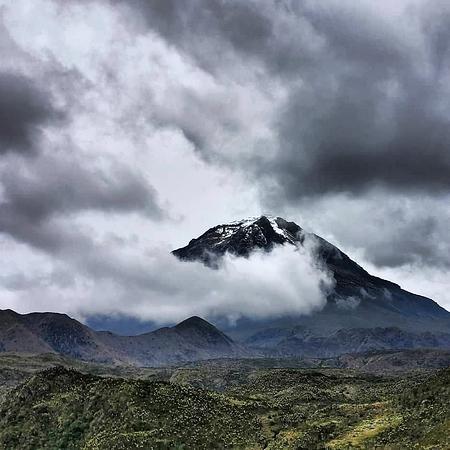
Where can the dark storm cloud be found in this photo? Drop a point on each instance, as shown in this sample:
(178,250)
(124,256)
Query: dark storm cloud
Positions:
(206,28)
(386,230)
(24,108)
(417,243)
(373,112)
(53,188)
(277,34)
(420,240)
(357,138)
(368,102)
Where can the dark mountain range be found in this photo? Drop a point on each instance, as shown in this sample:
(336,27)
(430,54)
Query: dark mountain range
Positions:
(191,340)
(370,305)
(395,361)
(356,340)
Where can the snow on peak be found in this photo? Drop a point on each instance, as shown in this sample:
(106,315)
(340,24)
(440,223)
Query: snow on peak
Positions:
(227,230)
(281,231)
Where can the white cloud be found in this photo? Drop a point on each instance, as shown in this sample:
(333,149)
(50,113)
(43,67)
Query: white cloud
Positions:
(158,287)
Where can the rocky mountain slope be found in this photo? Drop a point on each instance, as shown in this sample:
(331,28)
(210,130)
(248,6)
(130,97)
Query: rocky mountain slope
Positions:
(191,340)
(359,300)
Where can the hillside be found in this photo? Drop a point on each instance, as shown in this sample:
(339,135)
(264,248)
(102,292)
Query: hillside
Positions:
(61,408)
(192,339)
(273,408)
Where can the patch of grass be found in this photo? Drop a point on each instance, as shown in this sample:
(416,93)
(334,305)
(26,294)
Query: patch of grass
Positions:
(361,435)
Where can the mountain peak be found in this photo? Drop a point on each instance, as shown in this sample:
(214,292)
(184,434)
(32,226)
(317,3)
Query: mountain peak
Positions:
(357,298)
(282,227)
(194,322)
(195,327)
(240,238)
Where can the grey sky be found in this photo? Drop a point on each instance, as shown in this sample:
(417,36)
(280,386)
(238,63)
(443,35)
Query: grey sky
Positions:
(128,126)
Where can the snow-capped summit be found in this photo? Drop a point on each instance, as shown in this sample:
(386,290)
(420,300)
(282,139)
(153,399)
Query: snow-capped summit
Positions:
(241,238)
(288,231)
(358,300)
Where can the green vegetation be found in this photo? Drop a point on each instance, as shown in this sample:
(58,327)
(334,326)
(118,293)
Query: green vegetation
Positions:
(61,408)
(225,404)
(425,409)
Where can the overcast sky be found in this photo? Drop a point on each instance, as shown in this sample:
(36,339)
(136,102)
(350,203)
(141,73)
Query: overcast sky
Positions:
(128,127)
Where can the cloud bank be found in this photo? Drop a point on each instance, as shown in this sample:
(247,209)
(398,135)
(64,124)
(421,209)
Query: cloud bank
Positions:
(162,289)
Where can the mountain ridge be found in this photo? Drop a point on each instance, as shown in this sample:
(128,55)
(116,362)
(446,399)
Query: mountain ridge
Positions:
(191,340)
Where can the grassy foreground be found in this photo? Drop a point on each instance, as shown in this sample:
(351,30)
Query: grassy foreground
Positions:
(235,406)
